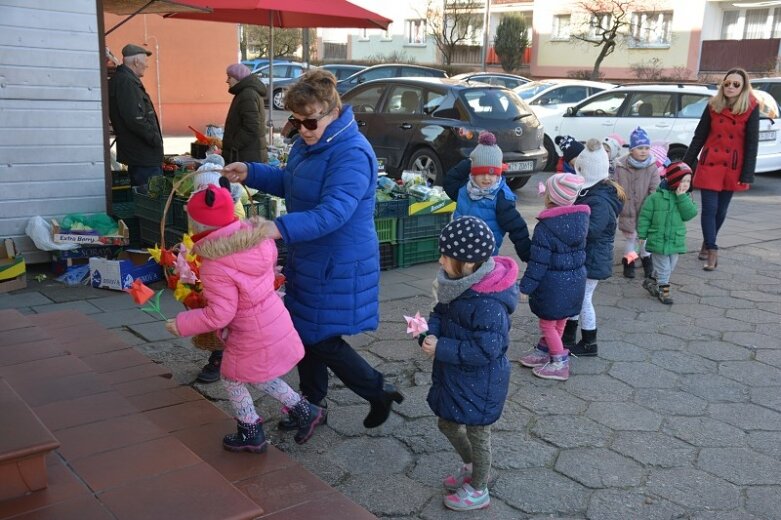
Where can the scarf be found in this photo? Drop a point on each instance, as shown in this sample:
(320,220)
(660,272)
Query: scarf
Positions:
(476,192)
(447,289)
(638,165)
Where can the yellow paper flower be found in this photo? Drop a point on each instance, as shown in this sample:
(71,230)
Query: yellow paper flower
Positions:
(187,241)
(181,292)
(155,252)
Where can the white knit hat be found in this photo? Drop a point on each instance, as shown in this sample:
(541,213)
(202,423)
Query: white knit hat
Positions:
(614,146)
(592,163)
(209,172)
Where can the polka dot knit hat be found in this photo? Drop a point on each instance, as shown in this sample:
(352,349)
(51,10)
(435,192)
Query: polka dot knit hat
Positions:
(467,239)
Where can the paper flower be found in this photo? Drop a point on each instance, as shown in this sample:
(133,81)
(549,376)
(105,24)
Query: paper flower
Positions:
(181,292)
(140,292)
(155,252)
(540,189)
(194,300)
(416,325)
(183,269)
(167,258)
(631,256)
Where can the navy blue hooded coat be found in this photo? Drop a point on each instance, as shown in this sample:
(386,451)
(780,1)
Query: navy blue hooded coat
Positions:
(605,206)
(333,261)
(555,278)
(471,372)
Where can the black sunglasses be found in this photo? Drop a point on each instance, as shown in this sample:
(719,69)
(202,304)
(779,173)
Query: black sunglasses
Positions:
(736,84)
(308,123)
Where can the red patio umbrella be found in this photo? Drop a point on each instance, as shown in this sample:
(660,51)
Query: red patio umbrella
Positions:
(285,14)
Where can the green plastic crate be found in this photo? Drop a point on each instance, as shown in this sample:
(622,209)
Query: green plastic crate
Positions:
(386,229)
(149,208)
(417,252)
(123,210)
(391,208)
(121,194)
(149,232)
(422,226)
(179,213)
(260,204)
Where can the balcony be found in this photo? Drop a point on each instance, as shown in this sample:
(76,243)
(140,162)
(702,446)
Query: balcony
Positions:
(473,55)
(753,55)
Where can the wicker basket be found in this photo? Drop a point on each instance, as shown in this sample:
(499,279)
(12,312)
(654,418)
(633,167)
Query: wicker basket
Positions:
(210,341)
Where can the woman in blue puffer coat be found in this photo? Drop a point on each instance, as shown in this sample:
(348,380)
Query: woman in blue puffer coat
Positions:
(333,266)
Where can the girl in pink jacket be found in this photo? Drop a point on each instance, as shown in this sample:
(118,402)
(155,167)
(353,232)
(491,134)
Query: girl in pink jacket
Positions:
(261,345)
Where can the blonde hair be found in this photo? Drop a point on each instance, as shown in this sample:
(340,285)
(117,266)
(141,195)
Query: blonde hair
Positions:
(741,103)
(315,86)
(620,192)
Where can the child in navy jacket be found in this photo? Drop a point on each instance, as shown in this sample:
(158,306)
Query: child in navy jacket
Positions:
(555,279)
(480,190)
(469,332)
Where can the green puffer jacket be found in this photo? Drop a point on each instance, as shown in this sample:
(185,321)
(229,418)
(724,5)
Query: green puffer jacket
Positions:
(661,221)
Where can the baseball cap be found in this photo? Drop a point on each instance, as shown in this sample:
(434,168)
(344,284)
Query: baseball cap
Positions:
(131,50)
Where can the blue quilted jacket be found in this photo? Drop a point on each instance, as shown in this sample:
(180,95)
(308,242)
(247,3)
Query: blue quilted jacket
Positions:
(333,264)
(605,206)
(471,372)
(555,279)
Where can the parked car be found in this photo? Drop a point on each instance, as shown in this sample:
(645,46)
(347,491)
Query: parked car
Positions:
(494,78)
(257,63)
(668,112)
(398,70)
(282,70)
(342,71)
(430,124)
(770,85)
(281,85)
(550,98)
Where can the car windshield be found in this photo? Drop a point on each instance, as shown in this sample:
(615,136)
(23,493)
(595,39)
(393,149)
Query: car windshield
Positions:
(494,104)
(529,90)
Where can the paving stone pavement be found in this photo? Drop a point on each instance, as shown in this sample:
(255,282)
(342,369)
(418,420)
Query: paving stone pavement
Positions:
(678,418)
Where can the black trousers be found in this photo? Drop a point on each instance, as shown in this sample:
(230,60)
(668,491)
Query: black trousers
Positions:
(335,353)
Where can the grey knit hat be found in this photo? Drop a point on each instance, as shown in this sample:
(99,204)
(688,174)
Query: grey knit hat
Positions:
(467,239)
(486,157)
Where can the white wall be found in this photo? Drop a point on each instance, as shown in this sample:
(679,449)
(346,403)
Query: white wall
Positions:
(51,126)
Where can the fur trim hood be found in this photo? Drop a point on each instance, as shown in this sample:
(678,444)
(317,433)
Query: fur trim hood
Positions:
(242,245)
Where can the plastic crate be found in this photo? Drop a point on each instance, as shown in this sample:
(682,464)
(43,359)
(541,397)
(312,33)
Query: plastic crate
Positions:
(121,194)
(149,233)
(391,208)
(387,256)
(177,209)
(423,226)
(281,251)
(386,229)
(417,252)
(134,227)
(123,210)
(261,205)
(149,208)
(120,178)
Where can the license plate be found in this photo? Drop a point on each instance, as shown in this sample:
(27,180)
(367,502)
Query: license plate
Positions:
(522,166)
(767,135)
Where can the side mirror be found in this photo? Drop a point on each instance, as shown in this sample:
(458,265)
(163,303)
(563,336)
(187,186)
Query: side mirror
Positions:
(361,79)
(570,111)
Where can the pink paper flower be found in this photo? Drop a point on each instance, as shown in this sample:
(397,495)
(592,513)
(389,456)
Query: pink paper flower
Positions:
(416,325)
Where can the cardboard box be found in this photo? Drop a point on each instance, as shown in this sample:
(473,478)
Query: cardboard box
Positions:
(13,270)
(428,207)
(119,274)
(121,238)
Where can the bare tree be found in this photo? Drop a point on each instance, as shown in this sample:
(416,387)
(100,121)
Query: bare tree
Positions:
(452,22)
(607,26)
(286,41)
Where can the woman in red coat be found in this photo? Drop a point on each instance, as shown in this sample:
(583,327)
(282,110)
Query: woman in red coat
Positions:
(728,136)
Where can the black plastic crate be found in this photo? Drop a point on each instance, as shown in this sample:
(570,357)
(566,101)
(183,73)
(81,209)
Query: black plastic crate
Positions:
(387,256)
(123,210)
(179,212)
(120,178)
(151,208)
(149,232)
(121,194)
(281,251)
(395,208)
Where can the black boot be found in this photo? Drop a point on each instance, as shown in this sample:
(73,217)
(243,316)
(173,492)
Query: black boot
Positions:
(648,267)
(587,346)
(629,268)
(650,285)
(306,417)
(570,334)
(210,373)
(380,410)
(290,422)
(248,437)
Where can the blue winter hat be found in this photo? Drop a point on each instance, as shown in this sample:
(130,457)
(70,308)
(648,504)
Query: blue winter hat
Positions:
(639,137)
(570,147)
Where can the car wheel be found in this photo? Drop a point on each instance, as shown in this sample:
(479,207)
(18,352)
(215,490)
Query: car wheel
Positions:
(427,162)
(517,183)
(553,155)
(279,99)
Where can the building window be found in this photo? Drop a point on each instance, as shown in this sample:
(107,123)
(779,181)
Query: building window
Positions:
(598,25)
(730,26)
(561,27)
(751,24)
(416,31)
(651,28)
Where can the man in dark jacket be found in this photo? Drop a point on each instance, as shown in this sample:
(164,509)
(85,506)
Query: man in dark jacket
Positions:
(133,117)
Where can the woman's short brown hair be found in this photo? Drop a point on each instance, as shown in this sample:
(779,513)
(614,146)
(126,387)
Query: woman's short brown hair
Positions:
(315,86)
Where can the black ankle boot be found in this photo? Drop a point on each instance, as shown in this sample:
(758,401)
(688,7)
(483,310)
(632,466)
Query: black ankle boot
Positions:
(629,268)
(290,421)
(648,267)
(210,373)
(570,334)
(307,417)
(248,437)
(587,346)
(380,410)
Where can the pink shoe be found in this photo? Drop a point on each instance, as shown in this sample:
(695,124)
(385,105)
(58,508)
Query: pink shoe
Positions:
(536,358)
(467,498)
(557,368)
(454,482)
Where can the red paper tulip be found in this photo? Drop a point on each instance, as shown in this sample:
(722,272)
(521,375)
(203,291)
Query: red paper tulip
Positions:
(172,281)
(194,300)
(167,258)
(140,292)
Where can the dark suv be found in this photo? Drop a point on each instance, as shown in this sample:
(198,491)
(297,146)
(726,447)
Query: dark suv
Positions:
(397,70)
(429,125)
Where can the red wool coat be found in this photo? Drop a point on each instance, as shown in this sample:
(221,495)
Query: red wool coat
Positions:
(729,149)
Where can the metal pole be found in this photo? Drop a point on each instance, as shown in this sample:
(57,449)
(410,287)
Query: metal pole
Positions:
(486,32)
(270,93)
